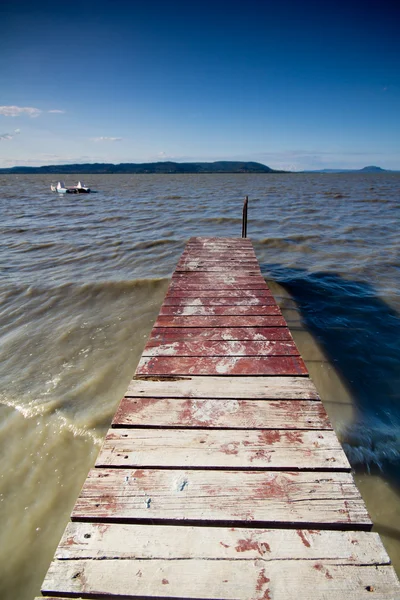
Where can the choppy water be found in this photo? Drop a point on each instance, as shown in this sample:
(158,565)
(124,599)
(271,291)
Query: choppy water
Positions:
(81,282)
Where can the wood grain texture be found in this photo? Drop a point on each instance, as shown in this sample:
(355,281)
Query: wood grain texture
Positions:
(229,321)
(229,348)
(171,300)
(274,498)
(189,334)
(226,365)
(224,580)
(226,449)
(117,540)
(199,309)
(212,292)
(233,449)
(217,280)
(228,414)
(268,388)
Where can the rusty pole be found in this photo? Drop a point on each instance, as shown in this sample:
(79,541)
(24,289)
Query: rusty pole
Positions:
(244,218)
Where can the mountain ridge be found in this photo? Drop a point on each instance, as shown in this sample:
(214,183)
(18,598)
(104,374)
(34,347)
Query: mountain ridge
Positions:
(167,167)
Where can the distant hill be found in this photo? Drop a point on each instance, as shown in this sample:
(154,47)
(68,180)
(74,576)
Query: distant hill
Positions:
(157,167)
(372,169)
(369,169)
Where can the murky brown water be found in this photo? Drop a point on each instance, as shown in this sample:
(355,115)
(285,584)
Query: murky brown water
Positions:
(81,282)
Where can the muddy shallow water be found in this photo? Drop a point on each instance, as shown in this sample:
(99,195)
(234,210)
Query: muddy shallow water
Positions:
(81,283)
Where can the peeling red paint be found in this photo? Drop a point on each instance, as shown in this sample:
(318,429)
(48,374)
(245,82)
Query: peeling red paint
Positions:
(231,449)
(269,436)
(70,541)
(277,485)
(246,545)
(139,474)
(102,528)
(303,538)
(165,582)
(319,567)
(224,545)
(262,580)
(261,455)
(294,437)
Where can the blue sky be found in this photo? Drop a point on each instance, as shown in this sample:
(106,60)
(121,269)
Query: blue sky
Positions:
(296,85)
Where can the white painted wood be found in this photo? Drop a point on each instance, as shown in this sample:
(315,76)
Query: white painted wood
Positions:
(116,540)
(268,449)
(287,388)
(304,499)
(225,580)
(237,414)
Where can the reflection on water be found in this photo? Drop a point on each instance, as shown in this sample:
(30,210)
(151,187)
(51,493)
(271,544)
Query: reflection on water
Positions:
(81,282)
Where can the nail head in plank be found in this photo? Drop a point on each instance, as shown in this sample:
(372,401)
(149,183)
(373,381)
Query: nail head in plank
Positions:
(275,498)
(200,579)
(118,540)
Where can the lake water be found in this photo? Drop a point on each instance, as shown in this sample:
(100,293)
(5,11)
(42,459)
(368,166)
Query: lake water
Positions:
(81,282)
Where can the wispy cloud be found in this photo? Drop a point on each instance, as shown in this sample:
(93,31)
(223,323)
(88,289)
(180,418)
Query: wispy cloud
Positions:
(17,111)
(9,136)
(30,111)
(106,139)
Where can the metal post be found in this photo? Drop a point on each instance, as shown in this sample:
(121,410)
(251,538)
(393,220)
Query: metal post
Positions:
(244,218)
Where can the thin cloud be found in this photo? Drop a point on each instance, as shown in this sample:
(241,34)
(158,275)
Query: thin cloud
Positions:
(21,111)
(18,111)
(9,136)
(106,139)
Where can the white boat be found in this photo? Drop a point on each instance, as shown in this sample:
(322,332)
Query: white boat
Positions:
(61,188)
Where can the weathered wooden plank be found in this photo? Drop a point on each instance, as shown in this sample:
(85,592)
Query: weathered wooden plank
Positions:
(220,321)
(172,300)
(233,449)
(234,269)
(283,498)
(169,334)
(193,288)
(205,265)
(211,242)
(247,293)
(221,365)
(224,580)
(243,256)
(117,540)
(227,414)
(201,310)
(231,348)
(269,388)
(218,279)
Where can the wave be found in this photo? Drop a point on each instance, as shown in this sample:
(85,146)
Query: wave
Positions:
(376,446)
(147,245)
(221,220)
(67,289)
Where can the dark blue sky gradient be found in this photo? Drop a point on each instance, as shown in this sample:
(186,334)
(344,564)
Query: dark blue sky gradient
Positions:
(298,85)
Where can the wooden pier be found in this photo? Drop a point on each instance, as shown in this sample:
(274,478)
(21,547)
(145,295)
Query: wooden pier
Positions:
(221,476)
